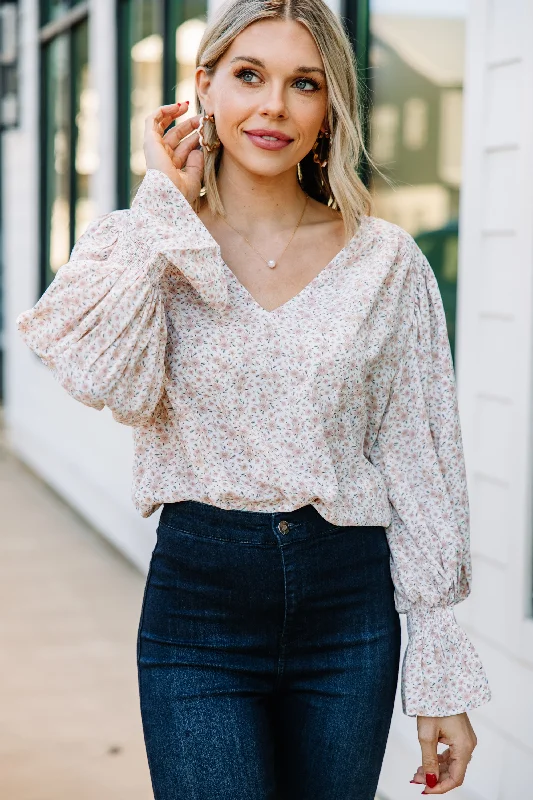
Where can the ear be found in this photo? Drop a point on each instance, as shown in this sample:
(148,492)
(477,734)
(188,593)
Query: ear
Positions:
(203,86)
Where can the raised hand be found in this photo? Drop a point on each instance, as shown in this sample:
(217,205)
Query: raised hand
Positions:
(174,152)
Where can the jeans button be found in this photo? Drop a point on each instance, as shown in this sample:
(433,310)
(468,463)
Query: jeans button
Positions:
(283,526)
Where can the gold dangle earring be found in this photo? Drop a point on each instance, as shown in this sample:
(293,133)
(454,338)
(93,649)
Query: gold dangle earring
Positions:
(316,158)
(209,147)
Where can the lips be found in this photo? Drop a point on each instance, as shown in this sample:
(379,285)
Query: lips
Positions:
(264,132)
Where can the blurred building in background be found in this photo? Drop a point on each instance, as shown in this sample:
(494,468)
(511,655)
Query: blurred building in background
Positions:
(447,86)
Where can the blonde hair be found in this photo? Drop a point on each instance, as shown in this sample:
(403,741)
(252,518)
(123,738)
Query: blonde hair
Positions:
(337,185)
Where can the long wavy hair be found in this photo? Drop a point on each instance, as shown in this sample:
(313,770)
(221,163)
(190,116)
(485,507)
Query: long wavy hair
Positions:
(338,184)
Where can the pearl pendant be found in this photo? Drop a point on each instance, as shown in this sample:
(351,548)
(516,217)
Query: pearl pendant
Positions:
(271,263)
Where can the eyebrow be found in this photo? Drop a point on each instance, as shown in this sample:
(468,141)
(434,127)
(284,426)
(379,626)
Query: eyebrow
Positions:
(259,63)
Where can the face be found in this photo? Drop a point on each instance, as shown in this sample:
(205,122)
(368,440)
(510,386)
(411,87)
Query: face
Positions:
(270,79)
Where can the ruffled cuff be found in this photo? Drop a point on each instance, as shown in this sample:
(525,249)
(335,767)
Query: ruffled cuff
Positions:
(163,223)
(442,673)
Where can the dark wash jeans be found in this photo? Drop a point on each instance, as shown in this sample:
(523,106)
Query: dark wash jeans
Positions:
(268,655)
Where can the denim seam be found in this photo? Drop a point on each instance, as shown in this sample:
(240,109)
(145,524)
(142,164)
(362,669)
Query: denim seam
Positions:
(281,661)
(216,538)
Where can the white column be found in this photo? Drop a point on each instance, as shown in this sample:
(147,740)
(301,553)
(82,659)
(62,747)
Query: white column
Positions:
(20,187)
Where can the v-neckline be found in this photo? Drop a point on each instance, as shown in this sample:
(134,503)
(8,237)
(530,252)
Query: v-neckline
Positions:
(355,238)
(303,290)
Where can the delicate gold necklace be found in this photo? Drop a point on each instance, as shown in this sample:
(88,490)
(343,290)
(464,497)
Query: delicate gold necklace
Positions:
(271,262)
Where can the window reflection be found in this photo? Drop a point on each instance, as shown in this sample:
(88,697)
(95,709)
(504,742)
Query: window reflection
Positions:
(189,31)
(57,68)
(52,9)
(146,49)
(70,141)
(188,36)
(86,159)
(416,75)
(157,50)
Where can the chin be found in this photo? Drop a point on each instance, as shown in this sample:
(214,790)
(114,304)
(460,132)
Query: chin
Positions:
(262,168)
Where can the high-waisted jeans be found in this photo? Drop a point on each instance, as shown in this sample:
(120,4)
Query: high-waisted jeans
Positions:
(268,654)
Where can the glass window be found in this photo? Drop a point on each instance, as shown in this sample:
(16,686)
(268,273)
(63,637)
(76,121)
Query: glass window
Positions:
(54,9)
(85,152)
(416,67)
(68,145)
(56,162)
(157,50)
(140,86)
(188,33)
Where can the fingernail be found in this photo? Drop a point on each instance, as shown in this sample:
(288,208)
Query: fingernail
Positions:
(431,779)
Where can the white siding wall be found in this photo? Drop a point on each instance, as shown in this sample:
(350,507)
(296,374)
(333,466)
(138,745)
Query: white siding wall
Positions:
(494,374)
(494,381)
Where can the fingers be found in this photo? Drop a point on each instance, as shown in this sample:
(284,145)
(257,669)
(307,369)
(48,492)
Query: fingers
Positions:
(456,771)
(453,774)
(175,134)
(419,777)
(446,782)
(187,145)
(161,117)
(428,736)
(166,114)
(444,759)
(444,785)
(187,156)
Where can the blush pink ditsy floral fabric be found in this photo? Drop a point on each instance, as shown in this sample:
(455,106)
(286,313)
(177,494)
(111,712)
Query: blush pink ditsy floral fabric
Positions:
(342,397)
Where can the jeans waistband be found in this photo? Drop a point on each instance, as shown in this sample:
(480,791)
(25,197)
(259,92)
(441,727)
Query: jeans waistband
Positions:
(195,517)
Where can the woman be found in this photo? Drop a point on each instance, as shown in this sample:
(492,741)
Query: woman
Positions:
(283,360)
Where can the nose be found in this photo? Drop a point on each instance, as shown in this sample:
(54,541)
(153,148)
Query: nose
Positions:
(274,103)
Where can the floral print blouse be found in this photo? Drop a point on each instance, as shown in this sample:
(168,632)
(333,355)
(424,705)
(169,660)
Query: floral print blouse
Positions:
(343,397)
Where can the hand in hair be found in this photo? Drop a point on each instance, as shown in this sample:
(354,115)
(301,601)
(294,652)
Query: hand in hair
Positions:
(175,152)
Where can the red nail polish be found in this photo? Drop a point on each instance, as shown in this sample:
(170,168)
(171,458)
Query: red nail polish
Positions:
(431,779)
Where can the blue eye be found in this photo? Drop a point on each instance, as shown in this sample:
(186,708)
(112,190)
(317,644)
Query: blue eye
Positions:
(314,84)
(243,72)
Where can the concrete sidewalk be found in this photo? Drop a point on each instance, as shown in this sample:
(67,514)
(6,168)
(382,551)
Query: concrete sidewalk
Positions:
(70,726)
